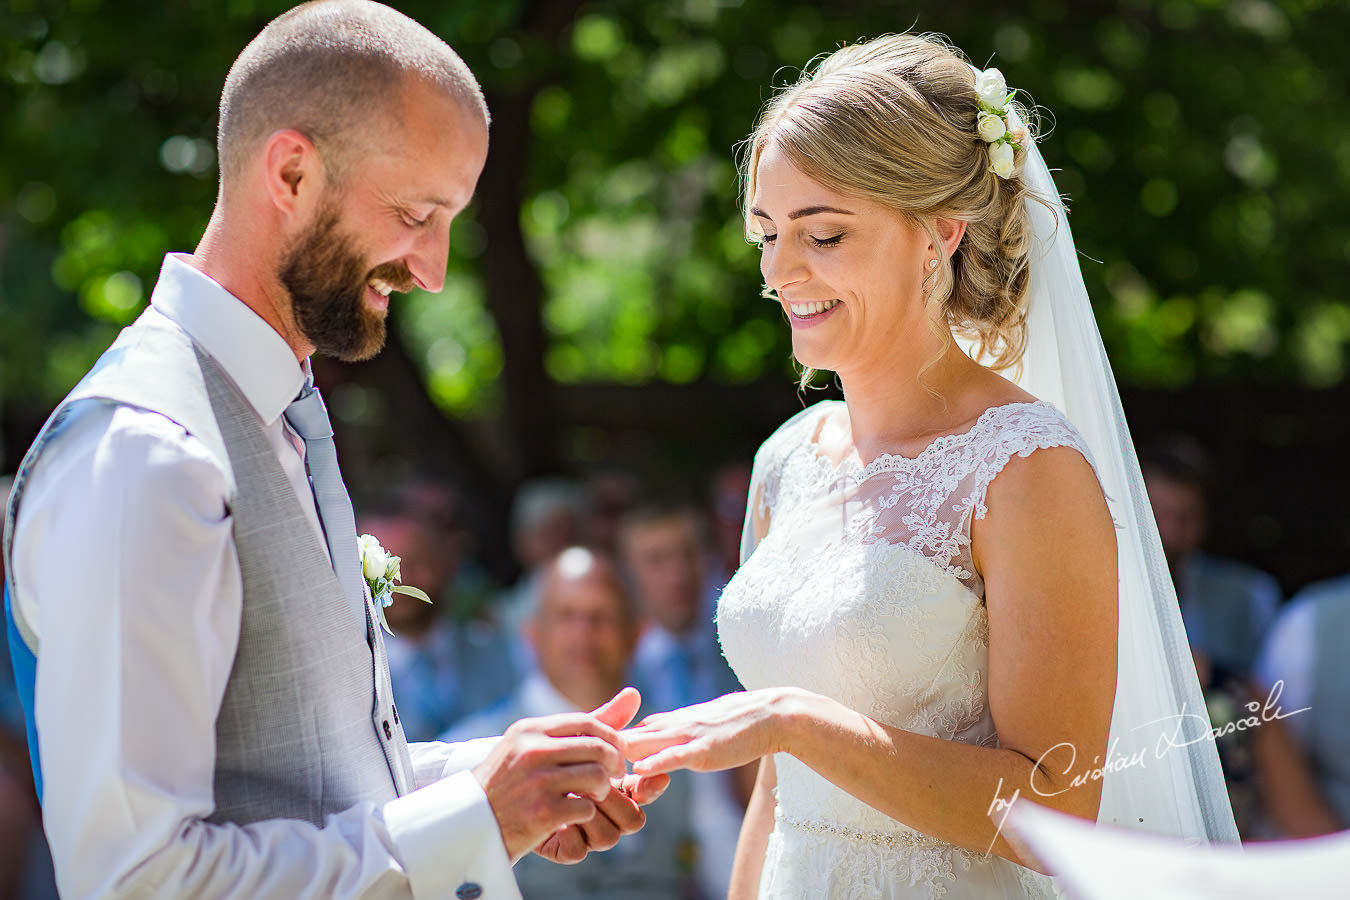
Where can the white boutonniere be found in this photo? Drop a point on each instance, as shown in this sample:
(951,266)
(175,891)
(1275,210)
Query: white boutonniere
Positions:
(380,568)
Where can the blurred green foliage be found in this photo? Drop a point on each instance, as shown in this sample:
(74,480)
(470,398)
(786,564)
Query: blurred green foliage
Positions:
(1201,143)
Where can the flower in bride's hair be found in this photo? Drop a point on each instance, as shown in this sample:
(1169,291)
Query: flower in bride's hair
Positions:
(1001,159)
(382,571)
(991,87)
(990,127)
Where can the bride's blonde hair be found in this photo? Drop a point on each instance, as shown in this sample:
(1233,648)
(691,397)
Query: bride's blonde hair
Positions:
(893,120)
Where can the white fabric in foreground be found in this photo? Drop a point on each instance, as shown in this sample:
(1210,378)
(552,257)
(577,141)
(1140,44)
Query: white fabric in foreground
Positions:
(1110,864)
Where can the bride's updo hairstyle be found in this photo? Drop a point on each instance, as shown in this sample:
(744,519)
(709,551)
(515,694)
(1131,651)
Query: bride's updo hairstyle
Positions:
(893,121)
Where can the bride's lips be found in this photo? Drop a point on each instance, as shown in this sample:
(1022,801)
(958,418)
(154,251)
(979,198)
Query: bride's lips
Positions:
(799,318)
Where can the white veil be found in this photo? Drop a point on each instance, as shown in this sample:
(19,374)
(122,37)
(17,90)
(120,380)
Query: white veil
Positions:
(1162,769)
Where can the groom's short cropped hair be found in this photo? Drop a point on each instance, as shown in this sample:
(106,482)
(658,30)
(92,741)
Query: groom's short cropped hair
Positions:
(334,71)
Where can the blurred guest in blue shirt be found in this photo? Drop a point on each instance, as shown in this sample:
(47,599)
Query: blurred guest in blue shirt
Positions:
(1228,606)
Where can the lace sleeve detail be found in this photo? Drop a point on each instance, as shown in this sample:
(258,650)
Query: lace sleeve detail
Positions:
(1020,430)
(767,473)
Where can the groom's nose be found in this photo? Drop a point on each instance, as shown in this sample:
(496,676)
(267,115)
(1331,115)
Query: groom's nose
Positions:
(429,257)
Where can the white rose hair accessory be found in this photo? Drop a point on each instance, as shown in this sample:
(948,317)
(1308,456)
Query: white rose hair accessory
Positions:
(996,124)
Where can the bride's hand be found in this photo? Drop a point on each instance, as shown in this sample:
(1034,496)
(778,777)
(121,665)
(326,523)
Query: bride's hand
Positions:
(730,731)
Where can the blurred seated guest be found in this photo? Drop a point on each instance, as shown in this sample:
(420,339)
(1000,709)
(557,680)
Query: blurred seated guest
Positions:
(664,555)
(545,520)
(608,493)
(728,491)
(584,631)
(442,670)
(679,661)
(1303,759)
(1227,606)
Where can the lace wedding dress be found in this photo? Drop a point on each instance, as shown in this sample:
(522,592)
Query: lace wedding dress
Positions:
(863,590)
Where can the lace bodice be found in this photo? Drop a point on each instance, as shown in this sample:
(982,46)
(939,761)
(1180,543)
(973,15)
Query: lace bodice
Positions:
(864,590)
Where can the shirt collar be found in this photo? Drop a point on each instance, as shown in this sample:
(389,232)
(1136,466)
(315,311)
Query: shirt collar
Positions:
(250,351)
(540,698)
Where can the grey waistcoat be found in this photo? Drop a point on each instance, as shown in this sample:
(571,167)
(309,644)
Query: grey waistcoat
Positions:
(307,726)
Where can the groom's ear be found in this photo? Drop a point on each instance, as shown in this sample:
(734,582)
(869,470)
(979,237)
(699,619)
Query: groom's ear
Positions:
(293,173)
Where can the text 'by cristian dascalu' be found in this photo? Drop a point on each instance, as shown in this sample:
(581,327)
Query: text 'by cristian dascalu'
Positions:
(1168,740)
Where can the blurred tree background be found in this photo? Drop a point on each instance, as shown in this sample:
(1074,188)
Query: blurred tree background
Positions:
(602,304)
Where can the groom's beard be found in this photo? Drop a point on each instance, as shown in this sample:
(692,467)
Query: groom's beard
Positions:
(326,278)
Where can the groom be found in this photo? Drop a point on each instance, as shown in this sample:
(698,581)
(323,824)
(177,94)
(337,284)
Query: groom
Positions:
(209,701)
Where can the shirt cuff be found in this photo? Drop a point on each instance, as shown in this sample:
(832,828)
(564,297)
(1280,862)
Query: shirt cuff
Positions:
(448,840)
(468,754)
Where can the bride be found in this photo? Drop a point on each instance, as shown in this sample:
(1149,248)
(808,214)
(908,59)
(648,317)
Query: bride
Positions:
(952,592)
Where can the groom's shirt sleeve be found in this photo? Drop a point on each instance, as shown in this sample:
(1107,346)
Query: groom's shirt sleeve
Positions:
(125,555)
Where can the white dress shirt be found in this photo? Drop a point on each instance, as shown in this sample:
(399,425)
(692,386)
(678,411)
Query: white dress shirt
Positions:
(125,564)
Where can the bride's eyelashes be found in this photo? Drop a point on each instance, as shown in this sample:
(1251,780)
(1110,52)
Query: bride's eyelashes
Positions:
(816,241)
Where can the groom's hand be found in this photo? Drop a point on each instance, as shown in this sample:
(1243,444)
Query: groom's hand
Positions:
(549,773)
(616,815)
(619,812)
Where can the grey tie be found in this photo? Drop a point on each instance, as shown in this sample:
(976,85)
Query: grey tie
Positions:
(309,417)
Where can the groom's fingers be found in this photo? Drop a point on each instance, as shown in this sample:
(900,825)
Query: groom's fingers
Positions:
(566,845)
(583,738)
(546,773)
(619,710)
(615,816)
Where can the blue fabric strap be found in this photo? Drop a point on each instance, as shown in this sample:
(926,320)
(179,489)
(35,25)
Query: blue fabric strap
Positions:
(25,674)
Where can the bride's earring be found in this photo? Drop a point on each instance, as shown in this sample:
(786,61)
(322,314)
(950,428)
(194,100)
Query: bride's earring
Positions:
(930,280)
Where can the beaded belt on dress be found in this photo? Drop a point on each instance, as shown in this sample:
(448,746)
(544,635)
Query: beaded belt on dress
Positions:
(895,840)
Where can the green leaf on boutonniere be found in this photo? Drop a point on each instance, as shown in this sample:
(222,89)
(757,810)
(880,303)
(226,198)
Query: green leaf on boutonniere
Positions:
(412,592)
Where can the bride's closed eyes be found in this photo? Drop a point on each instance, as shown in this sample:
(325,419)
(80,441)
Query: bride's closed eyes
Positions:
(817,241)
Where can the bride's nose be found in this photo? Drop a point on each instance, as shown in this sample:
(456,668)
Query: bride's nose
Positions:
(782,267)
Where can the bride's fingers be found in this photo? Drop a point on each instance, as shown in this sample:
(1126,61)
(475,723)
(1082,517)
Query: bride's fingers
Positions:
(645,790)
(641,746)
(681,756)
(659,764)
(654,720)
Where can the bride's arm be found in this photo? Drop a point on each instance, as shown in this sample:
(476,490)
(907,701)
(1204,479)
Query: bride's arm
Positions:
(1047,553)
(754,838)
